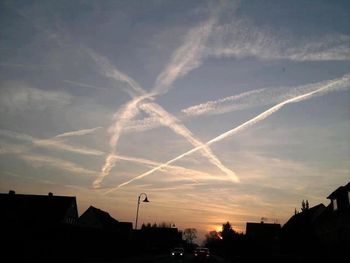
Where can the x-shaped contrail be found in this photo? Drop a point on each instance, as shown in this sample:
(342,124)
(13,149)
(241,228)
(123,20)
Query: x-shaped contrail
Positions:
(184,59)
(336,84)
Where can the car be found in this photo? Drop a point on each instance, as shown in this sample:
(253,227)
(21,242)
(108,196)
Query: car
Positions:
(178,252)
(201,254)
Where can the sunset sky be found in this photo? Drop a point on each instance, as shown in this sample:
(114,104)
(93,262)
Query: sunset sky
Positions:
(217,110)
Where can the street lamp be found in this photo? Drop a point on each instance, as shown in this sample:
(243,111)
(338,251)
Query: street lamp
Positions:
(138,204)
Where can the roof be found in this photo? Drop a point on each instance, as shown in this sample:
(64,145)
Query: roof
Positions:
(262,229)
(103,218)
(34,209)
(304,219)
(340,190)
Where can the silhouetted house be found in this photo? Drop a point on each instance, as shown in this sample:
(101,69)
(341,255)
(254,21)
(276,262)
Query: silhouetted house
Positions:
(321,229)
(36,226)
(299,231)
(340,198)
(101,220)
(36,211)
(333,226)
(263,235)
(97,218)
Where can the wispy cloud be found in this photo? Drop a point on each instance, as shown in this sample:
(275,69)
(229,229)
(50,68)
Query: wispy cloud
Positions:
(6,148)
(327,86)
(23,66)
(50,143)
(43,160)
(76,83)
(59,145)
(15,96)
(241,38)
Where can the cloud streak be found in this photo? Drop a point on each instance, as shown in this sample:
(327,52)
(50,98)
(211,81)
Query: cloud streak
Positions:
(337,84)
(50,143)
(43,160)
(16,96)
(83,85)
(243,39)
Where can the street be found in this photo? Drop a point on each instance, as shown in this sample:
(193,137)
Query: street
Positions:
(188,258)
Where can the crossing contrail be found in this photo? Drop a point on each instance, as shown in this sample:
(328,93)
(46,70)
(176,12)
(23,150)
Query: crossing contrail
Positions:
(337,84)
(179,65)
(180,129)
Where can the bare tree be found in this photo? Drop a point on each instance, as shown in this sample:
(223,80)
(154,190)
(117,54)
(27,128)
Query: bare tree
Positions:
(190,234)
(304,205)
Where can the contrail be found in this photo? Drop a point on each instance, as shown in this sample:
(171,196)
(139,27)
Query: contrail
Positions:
(179,66)
(245,100)
(212,105)
(180,129)
(66,147)
(188,57)
(50,143)
(133,88)
(127,112)
(78,133)
(336,84)
(177,169)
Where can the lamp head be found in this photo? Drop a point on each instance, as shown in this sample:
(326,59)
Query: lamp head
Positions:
(145,200)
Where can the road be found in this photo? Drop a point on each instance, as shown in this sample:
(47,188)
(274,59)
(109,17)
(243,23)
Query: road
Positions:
(168,259)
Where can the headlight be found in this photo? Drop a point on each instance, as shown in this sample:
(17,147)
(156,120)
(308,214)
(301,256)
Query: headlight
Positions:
(180,254)
(173,253)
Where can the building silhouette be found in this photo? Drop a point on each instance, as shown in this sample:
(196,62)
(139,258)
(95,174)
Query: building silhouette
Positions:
(36,226)
(333,225)
(321,230)
(263,237)
(32,211)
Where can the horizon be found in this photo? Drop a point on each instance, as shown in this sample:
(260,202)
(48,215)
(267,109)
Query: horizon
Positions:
(220,111)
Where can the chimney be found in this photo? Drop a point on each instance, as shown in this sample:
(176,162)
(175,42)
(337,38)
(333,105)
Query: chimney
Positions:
(50,194)
(11,192)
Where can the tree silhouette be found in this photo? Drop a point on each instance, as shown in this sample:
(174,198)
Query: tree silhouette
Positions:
(190,234)
(304,205)
(227,232)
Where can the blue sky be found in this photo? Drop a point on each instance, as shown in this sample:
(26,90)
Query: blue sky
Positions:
(102,100)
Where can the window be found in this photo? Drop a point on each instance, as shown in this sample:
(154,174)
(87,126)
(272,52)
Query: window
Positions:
(349,197)
(335,205)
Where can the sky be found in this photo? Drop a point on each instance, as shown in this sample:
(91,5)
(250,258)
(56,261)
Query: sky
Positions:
(217,110)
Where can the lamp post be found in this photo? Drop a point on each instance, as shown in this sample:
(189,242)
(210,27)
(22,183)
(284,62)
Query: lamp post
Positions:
(138,204)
